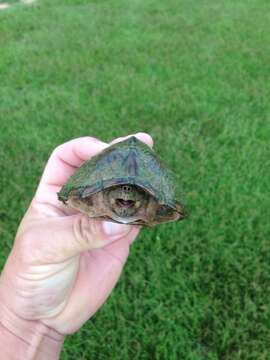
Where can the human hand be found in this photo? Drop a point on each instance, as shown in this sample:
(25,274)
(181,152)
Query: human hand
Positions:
(63,265)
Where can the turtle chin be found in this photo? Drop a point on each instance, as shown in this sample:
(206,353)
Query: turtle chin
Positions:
(124,213)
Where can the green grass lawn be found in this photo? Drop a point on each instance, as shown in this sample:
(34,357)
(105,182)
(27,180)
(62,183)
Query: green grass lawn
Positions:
(196,76)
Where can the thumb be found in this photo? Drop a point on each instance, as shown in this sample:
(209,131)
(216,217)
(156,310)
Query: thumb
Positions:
(58,239)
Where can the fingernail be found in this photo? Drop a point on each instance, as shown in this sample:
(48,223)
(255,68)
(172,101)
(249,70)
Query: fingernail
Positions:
(145,138)
(112,229)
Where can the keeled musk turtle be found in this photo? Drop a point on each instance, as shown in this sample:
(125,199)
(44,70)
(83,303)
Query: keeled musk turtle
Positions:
(125,183)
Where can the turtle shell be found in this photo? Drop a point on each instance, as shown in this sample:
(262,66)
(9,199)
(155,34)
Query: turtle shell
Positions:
(127,162)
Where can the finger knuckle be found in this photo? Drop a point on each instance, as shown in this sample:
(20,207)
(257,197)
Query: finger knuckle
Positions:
(85,232)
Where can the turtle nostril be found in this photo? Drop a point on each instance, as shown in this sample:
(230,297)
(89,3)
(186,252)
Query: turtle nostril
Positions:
(126,188)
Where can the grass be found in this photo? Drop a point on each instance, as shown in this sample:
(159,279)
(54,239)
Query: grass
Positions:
(195,75)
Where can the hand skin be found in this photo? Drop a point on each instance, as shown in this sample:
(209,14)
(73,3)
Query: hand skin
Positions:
(63,265)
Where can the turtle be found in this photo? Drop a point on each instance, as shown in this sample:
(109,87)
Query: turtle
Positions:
(125,183)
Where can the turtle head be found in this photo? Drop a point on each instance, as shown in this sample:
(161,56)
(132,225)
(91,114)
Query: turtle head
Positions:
(125,200)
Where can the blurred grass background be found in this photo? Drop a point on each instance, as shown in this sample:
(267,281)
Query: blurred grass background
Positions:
(195,75)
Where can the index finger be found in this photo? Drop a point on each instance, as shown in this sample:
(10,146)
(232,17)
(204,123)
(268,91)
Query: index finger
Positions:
(67,157)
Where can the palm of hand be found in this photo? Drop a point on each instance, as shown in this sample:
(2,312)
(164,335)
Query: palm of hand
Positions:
(63,266)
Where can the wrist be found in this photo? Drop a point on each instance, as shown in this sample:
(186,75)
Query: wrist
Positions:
(27,339)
